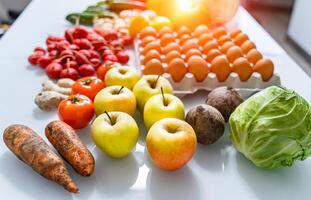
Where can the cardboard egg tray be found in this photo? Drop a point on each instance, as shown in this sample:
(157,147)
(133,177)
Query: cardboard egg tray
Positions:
(189,85)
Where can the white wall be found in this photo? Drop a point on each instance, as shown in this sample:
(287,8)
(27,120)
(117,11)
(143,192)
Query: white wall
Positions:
(15,4)
(300,26)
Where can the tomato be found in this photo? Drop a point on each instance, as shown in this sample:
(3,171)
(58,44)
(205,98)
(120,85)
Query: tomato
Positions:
(88,86)
(86,70)
(103,69)
(77,111)
(122,57)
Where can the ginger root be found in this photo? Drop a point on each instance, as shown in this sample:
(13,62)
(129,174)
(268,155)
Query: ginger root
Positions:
(49,100)
(49,85)
(65,82)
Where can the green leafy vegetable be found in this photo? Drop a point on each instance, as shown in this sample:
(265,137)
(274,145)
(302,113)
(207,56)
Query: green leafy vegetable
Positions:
(272,128)
(100,10)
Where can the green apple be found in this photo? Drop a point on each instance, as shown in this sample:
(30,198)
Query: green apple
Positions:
(171,143)
(148,86)
(122,75)
(163,106)
(115,133)
(115,98)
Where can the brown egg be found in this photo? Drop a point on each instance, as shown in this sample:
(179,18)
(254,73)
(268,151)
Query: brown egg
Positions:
(220,31)
(247,46)
(213,53)
(190,44)
(227,45)
(243,68)
(152,54)
(204,38)
(170,47)
(221,67)
(198,67)
(253,56)
(210,45)
(147,40)
(166,39)
(265,67)
(192,52)
(171,55)
(184,38)
(199,30)
(177,69)
(233,53)
(240,39)
(148,31)
(154,66)
(183,30)
(224,38)
(153,45)
(165,30)
(235,32)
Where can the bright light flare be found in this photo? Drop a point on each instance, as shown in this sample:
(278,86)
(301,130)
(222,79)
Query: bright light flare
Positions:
(185,5)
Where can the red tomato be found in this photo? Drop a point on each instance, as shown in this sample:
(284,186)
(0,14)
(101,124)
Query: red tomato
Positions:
(127,40)
(88,86)
(34,57)
(122,57)
(103,69)
(77,111)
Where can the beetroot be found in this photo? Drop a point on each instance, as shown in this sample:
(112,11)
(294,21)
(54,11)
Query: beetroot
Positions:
(224,99)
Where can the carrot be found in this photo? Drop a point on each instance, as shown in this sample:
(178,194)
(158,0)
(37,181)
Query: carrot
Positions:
(32,150)
(69,145)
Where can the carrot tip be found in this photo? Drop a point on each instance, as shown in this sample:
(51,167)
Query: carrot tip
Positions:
(71,187)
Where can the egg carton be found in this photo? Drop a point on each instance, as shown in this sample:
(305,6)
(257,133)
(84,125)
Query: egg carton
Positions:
(189,85)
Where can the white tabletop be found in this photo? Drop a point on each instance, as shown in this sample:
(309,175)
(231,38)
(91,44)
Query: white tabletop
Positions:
(216,171)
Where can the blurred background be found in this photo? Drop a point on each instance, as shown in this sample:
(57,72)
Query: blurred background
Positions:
(288,21)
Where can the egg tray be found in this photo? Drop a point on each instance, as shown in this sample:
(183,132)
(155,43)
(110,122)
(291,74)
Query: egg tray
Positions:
(189,85)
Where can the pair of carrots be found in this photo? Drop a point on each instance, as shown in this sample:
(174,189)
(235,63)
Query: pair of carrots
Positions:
(30,148)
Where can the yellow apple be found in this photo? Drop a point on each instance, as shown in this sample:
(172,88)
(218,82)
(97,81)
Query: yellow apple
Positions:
(122,75)
(163,106)
(148,86)
(171,143)
(115,98)
(115,133)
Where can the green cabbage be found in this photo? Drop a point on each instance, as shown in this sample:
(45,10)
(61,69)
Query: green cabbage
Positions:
(272,128)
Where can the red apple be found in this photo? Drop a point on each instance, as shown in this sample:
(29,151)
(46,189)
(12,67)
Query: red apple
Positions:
(171,143)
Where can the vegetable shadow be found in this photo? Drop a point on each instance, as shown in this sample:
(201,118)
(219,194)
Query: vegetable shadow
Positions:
(85,136)
(284,183)
(42,115)
(86,185)
(142,129)
(201,96)
(114,177)
(36,69)
(214,157)
(180,184)
(147,160)
(27,181)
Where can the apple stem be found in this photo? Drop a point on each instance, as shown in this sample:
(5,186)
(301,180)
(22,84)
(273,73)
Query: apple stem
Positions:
(164,102)
(157,80)
(108,116)
(120,89)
